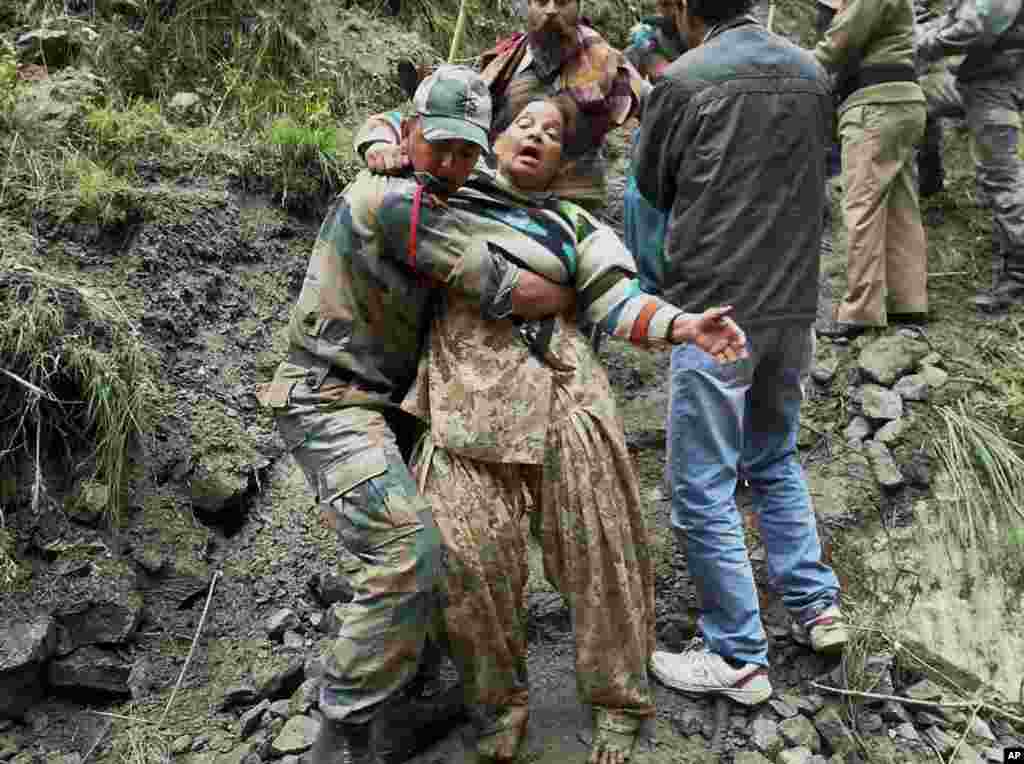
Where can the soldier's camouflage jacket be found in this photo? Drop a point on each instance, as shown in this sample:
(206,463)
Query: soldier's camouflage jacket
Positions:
(357,330)
(488,387)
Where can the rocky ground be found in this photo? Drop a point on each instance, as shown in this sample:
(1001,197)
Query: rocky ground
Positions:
(99,655)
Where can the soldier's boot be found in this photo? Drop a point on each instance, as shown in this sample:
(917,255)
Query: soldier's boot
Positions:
(931,176)
(340,743)
(400,730)
(1007,289)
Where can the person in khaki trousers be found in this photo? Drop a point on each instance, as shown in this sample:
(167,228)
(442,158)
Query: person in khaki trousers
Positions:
(869,47)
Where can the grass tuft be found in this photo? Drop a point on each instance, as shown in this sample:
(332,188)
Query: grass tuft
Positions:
(986,480)
(77,378)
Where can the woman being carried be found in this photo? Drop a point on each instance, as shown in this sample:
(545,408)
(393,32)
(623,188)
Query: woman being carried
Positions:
(522,423)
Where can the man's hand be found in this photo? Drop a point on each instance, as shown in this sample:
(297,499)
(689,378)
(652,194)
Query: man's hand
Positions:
(713,332)
(536,297)
(387,159)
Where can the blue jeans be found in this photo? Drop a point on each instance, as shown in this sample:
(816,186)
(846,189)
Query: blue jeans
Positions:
(741,420)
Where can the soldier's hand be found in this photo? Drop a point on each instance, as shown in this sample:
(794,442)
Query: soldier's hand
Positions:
(713,332)
(536,297)
(387,159)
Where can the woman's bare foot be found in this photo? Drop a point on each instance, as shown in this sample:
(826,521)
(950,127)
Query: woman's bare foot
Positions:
(615,735)
(502,747)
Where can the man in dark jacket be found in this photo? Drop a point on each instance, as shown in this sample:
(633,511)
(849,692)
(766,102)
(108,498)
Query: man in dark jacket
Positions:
(733,147)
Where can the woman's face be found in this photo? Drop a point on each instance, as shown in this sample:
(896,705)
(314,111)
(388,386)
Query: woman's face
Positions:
(529,151)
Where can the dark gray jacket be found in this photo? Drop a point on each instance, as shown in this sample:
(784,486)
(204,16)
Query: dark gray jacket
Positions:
(732,145)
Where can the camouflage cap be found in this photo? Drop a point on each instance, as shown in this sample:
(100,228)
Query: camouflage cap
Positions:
(454,104)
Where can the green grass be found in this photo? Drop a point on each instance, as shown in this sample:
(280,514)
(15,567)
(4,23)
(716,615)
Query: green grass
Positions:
(986,478)
(75,372)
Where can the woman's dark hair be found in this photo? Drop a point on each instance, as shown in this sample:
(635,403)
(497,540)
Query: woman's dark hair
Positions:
(717,11)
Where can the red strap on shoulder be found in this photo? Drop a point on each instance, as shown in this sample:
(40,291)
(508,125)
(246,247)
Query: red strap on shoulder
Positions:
(414,226)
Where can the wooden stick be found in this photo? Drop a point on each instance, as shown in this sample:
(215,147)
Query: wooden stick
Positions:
(99,739)
(137,719)
(37,390)
(191,650)
(913,702)
(771,16)
(458,34)
(946,273)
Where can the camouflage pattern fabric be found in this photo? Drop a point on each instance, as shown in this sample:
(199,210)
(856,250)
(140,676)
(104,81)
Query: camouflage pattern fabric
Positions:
(352,459)
(499,411)
(355,335)
(991,106)
(583,506)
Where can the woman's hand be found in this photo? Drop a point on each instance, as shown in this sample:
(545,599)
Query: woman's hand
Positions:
(387,159)
(713,332)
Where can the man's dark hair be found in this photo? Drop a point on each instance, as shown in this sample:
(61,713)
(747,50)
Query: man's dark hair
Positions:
(717,11)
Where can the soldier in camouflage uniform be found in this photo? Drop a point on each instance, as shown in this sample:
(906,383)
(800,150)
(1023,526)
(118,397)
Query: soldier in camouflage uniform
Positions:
(869,45)
(523,424)
(988,87)
(355,335)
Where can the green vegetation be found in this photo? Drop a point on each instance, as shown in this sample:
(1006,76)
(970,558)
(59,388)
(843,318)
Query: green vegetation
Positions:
(74,372)
(986,480)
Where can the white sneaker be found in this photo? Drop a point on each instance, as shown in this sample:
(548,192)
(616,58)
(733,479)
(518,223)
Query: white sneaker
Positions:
(825,633)
(698,670)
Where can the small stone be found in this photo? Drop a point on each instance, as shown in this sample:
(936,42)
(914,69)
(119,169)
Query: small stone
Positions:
(891,432)
(764,734)
(932,359)
(884,467)
(798,731)
(912,388)
(870,724)
(834,731)
(239,695)
(280,622)
(808,705)
(181,744)
(315,619)
(795,756)
(895,713)
(296,737)
(250,721)
(926,689)
(878,671)
(943,743)
(907,731)
(279,708)
(823,375)
(981,731)
(966,755)
(690,721)
(858,429)
(881,404)
(782,708)
(293,640)
(928,719)
(934,377)
(750,757)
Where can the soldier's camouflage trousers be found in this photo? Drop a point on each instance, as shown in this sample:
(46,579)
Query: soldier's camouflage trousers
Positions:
(887,253)
(991,107)
(352,460)
(583,506)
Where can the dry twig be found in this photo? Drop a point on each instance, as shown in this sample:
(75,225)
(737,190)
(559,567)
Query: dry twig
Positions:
(192,649)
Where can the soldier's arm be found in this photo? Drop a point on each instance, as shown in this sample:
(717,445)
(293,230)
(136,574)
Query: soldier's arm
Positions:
(431,240)
(379,143)
(850,30)
(976,25)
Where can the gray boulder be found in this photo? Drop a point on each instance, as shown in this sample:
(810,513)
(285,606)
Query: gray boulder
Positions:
(90,668)
(25,646)
(890,357)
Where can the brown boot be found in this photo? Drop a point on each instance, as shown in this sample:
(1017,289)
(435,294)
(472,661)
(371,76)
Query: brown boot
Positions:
(339,743)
